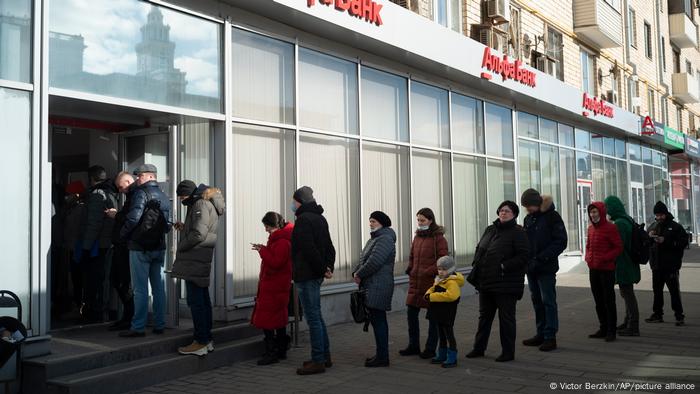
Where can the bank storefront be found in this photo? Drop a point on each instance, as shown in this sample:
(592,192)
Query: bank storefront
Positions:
(390,112)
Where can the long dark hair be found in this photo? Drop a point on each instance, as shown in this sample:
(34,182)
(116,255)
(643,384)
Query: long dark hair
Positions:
(274,219)
(428,214)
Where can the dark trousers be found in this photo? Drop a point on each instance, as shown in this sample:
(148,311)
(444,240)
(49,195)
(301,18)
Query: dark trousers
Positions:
(77,273)
(447,336)
(200,304)
(380,326)
(631,307)
(603,289)
(489,303)
(120,280)
(412,313)
(271,335)
(544,300)
(94,285)
(671,280)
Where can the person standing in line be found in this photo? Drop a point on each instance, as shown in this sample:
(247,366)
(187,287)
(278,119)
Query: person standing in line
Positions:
(145,226)
(627,273)
(666,257)
(429,244)
(97,238)
(443,297)
(500,261)
(271,312)
(548,239)
(375,275)
(73,215)
(313,260)
(603,247)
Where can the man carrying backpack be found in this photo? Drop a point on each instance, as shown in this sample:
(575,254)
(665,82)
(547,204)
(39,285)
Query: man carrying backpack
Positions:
(669,242)
(147,222)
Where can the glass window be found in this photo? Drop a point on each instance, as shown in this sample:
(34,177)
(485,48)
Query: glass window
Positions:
(527,125)
(623,184)
(430,118)
(263,78)
(330,166)
(15,139)
(467,124)
(16,40)
(529,160)
(499,138)
(609,146)
(636,173)
(649,197)
(620,151)
(635,152)
(549,159)
(447,13)
(152,56)
(455,15)
(252,198)
(646,155)
(587,73)
(610,175)
(548,130)
(327,92)
(386,187)
(568,199)
(504,187)
(566,135)
(657,158)
(471,210)
(195,151)
(583,165)
(384,105)
(598,173)
(583,139)
(432,187)
(596,143)
(659,191)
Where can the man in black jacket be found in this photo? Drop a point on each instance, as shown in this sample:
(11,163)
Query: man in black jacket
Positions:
(313,258)
(547,235)
(670,240)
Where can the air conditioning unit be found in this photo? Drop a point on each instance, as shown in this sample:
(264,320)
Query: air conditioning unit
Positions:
(494,38)
(611,96)
(498,10)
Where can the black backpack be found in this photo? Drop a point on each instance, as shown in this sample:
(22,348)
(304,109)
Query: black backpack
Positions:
(641,241)
(152,227)
(358,308)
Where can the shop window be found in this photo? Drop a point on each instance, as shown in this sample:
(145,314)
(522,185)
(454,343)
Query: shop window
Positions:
(620,150)
(16,40)
(549,164)
(583,165)
(632,27)
(566,135)
(499,123)
(609,146)
(646,155)
(596,143)
(598,173)
(471,210)
(503,188)
(548,130)
(610,175)
(263,78)
(529,164)
(568,199)
(555,50)
(647,39)
(430,118)
(384,105)
(527,125)
(467,124)
(328,92)
(588,73)
(432,187)
(583,139)
(623,186)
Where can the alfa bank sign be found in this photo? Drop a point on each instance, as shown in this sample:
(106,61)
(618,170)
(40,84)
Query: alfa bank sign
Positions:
(368,10)
(597,106)
(507,69)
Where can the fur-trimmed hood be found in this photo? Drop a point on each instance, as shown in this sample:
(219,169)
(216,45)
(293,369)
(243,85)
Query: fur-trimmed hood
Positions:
(213,195)
(547,203)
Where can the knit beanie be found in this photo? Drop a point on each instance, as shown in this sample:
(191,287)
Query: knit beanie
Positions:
(381,217)
(531,197)
(304,195)
(186,188)
(513,207)
(447,263)
(660,207)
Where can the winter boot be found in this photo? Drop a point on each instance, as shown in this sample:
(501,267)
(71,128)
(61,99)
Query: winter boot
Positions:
(283,346)
(548,345)
(598,334)
(451,360)
(440,357)
(270,356)
(410,350)
(654,318)
(534,341)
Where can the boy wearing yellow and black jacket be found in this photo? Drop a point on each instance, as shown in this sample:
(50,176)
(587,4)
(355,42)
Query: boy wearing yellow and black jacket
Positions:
(444,298)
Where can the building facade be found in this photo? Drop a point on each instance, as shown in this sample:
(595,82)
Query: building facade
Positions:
(377,105)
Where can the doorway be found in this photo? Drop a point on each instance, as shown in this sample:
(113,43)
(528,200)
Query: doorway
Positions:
(637,202)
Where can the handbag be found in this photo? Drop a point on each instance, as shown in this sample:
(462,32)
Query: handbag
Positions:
(358,308)
(473,277)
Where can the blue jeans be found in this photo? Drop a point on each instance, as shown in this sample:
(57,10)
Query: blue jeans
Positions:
(147,266)
(200,304)
(377,318)
(544,300)
(310,297)
(412,313)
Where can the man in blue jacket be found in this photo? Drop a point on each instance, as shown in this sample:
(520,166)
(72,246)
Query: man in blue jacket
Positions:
(147,221)
(547,235)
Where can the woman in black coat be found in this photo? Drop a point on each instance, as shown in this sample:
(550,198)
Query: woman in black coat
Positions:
(500,263)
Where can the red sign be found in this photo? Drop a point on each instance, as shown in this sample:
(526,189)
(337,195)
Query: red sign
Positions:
(597,106)
(507,69)
(367,9)
(648,127)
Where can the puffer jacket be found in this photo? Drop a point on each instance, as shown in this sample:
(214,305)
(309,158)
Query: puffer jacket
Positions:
(376,269)
(548,239)
(97,227)
(626,271)
(668,255)
(139,199)
(444,297)
(427,247)
(604,244)
(198,237)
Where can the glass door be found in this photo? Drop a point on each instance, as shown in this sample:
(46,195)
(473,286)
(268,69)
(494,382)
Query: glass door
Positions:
(585,196)
(637,212)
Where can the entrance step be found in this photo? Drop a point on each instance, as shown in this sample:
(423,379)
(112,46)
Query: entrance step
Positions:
(78,355)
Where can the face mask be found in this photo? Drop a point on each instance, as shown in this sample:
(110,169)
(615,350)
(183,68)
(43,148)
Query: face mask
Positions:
(371,230)
(423,228)
(293,206)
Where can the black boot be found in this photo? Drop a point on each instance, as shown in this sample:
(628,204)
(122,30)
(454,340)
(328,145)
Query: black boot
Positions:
(282,346)
(270,356)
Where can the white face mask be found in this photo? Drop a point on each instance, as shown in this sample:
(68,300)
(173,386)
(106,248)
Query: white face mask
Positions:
(423,228)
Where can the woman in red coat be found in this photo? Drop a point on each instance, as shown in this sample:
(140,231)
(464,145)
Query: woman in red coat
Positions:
(428,246)
(272,302)
(602,248)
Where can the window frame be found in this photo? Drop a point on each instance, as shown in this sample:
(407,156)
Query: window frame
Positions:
(648,40)
(632,27)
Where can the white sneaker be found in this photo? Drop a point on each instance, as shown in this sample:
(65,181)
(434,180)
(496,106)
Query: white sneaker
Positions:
(210,346)
(195,349)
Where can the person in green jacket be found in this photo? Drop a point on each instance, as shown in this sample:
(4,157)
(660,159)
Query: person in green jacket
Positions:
(626,271)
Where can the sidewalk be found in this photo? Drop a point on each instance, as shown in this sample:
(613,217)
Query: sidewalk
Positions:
(664,354)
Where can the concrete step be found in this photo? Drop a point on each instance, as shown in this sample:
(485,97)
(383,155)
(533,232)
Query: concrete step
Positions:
(146,372)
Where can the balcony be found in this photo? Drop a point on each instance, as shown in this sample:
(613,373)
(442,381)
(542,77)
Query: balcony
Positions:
(684,32)
(685,88)
(598,23)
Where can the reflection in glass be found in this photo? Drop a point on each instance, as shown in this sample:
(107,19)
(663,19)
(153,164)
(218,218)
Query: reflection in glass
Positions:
(430,118)
(583,165)
(384,105)
(529,160)
(549,159)
(620,151)
(623,187)
(467,124)
(527,125)
(432,188)
(500,191)
(548,130)
(598,173)
(568,200)
(596,143)
(15,40)
(471,210)
(499,131)
(583,139)
(566,135)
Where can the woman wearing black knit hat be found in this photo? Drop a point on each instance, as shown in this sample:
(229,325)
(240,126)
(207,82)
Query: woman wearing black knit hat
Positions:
(500,262)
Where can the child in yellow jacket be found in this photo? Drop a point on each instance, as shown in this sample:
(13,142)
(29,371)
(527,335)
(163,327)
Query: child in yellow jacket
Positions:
(444,298)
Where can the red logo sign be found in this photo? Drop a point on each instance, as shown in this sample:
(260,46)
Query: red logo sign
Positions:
(648,127)
(597,106)
(367,9)
(507,69)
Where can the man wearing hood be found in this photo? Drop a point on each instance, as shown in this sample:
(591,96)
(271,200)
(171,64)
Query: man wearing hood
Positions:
(670,240)
(195,251)
(627,273)
(547,235)
(313,258)
(603,247)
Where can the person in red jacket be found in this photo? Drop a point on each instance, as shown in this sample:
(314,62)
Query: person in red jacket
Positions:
(272,302)
(602,248)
